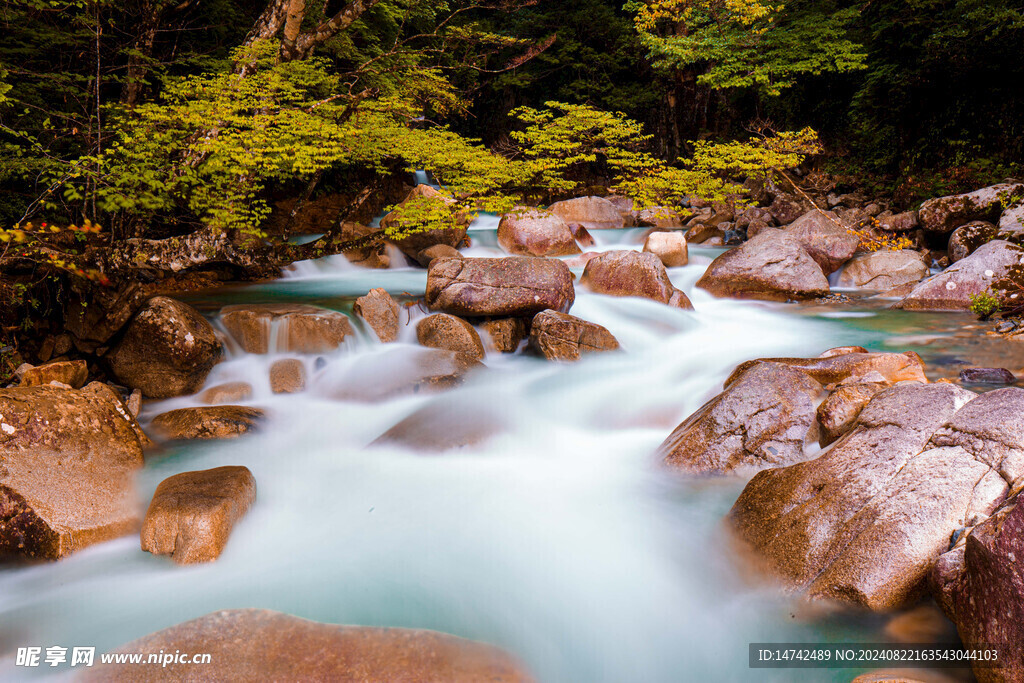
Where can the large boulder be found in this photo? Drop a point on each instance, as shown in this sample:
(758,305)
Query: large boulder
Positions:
(883,270)
(593,213)
(966,239)
(260,645)
(214,422)
(191,515)
(773,266)
(416,242)
(443,331)
(669,247)
(380,312)
(945,214)
(982,590)
(632,273)
(535,232)
(764,418)
(167,350)
(296,328)
(512,286)
(825,237)
(67,465)
(866,522)
(952,289)
(563,337)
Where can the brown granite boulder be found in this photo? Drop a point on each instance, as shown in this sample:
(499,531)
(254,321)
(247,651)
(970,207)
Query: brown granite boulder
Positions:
(415,243)
(380,312)
(73,373)
(167,350)
(191,515)
(764,418)
(952,289)
(632,273)
(511,286)
(443,331)
(287,376)
(966,239)
(826,238)
(883,270)
(563,337)
(535,232)
(227,393)
(296,328)
(593,213)
(505,334)
(67,465)
(900,222)
(214,422)
(945,214)
(669,247)
(260,645)
(866,522)
(773,266)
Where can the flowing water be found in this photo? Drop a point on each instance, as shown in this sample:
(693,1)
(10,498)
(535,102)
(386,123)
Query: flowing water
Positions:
(558,537)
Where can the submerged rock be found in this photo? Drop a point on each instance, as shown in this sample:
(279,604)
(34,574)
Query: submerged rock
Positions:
(987,376)
(535,232)
(67,464)
(631,273)
(866,522)
(512,286)
(883,270)
(563,337)
(773,266)
(229,392)
(297,328)
(952,289)
(454,421)
(287,376)
(765,417)
(669,247)
(593,213)
(167,350)
(380,312)
(397,371)
(215,422)
(192,514)
(443,331)
(945,214)
(252,644)
(825,238)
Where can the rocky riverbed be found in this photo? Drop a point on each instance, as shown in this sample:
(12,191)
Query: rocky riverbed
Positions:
(571,434)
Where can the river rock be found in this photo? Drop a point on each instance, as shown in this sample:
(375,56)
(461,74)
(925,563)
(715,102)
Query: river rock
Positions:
(396,371)
(987,376)
(866,522)
(582,236)
(631,273)
(535,232)
(883,270)
(663,217)
(287,376)
(414,243)
(838,412)
(1012,220)
(67,465)
(983,590)
(73,373)
(229,392)
(562,337)
(296,328)
(443,331)
(191,515)
(437,251)
(825,237)
(773,266)
(380,312)
(944,214)
(261,645)
(764,418)
(953,288)
(215,422)
(966,239)
(505,334)
(167,350)
(669,247)
(511,286)
(848,365)
(785,209)
(901,222)
(593,213)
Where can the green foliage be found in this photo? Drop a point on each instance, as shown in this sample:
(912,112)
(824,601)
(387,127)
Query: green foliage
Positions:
(984,304)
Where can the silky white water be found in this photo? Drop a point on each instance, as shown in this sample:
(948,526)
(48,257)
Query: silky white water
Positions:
(559,538)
